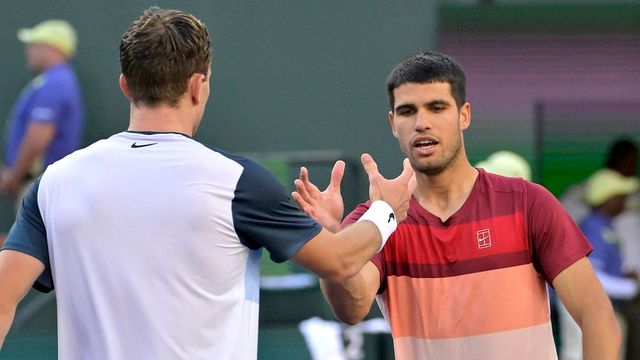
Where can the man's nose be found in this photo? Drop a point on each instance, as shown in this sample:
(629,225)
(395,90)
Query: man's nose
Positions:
(423,120)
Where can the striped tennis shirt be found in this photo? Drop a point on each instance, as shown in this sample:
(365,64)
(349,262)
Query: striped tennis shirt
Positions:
(474,286)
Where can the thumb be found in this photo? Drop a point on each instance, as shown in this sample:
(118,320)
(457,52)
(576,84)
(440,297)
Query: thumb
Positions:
(369,165)
(407,170)
(337,173)
(413,183)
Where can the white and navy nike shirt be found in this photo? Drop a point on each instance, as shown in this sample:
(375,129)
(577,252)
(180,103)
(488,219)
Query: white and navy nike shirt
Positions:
(153,243)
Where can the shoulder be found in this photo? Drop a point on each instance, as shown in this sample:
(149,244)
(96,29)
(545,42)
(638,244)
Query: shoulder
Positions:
(69,166)
(503,184)
(254,181)
(61,78)
(251,169)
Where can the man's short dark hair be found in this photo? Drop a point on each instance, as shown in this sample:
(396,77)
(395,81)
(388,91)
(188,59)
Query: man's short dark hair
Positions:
(160,51)
(428,67)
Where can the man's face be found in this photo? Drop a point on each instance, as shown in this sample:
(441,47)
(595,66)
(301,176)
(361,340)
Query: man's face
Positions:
(37,56)
(428,125)
(617,204)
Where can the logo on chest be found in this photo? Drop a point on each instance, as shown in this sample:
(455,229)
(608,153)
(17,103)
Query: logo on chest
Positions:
(484,239)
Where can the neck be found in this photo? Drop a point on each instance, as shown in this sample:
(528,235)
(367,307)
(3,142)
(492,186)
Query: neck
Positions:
(54,59)
(160,118)
(444,193)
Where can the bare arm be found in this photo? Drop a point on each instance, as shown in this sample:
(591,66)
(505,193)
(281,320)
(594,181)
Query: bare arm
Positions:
(36,140)
(339,256)
(583,296)
(348,279)
(18,272)
(351,294)
(352,298)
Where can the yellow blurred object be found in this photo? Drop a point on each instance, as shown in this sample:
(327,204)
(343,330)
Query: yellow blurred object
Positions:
(606,183)
(506,163)
(57,33)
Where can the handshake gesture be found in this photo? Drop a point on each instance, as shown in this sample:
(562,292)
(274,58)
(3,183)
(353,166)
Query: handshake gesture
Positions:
(327,207)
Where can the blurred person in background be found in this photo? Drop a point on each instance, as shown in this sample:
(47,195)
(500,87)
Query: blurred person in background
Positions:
(46,122)
(621,158)
(627,227)
(506,163)
(606,193)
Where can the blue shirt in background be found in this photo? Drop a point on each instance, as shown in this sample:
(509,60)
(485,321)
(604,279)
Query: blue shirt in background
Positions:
(605,257)
(52,97)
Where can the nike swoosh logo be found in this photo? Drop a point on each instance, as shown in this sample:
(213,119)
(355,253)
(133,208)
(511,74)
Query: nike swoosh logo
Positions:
(135,145)
(391,217)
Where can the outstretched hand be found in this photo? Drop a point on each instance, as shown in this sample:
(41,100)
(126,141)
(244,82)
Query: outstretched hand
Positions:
(395,192)
(326,207)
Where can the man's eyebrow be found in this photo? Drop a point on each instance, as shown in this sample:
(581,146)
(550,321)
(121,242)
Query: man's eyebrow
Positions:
(438,102)
(404,106)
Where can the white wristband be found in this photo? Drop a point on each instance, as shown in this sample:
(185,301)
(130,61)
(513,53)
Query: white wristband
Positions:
(381,214)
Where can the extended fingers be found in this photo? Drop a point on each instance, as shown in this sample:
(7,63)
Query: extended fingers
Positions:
(337,173)
(302,189)
(304,174)
(369,165)
(305,206)
(413,183)
(407,171)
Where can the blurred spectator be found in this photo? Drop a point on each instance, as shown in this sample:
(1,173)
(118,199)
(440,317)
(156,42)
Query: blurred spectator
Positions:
(622,156)
(605,193)
(46,122)
(506,163)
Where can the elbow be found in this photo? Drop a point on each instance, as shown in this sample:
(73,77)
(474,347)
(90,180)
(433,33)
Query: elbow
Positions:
(350,315)
(350,319)
(341,270)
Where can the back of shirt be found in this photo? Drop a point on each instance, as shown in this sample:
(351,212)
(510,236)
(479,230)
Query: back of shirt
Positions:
(154,244)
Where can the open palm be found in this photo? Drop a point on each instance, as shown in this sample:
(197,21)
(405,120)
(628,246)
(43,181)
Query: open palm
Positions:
(326,207)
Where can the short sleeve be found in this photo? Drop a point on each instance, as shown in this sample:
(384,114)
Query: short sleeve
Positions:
(555,239)
(28,235)
(48,100)
(264,215)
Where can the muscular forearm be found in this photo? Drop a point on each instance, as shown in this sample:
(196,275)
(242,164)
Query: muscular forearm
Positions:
(353,247)
(350,300)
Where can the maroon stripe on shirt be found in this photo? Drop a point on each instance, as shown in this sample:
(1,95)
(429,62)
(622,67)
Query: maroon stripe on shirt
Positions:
(493,262)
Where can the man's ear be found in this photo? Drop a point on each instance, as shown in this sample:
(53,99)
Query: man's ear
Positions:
(122,81)
(465,116)
(194,87)
(392,123)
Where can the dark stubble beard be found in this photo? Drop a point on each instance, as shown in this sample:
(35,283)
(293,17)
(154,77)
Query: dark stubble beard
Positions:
(435,169)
